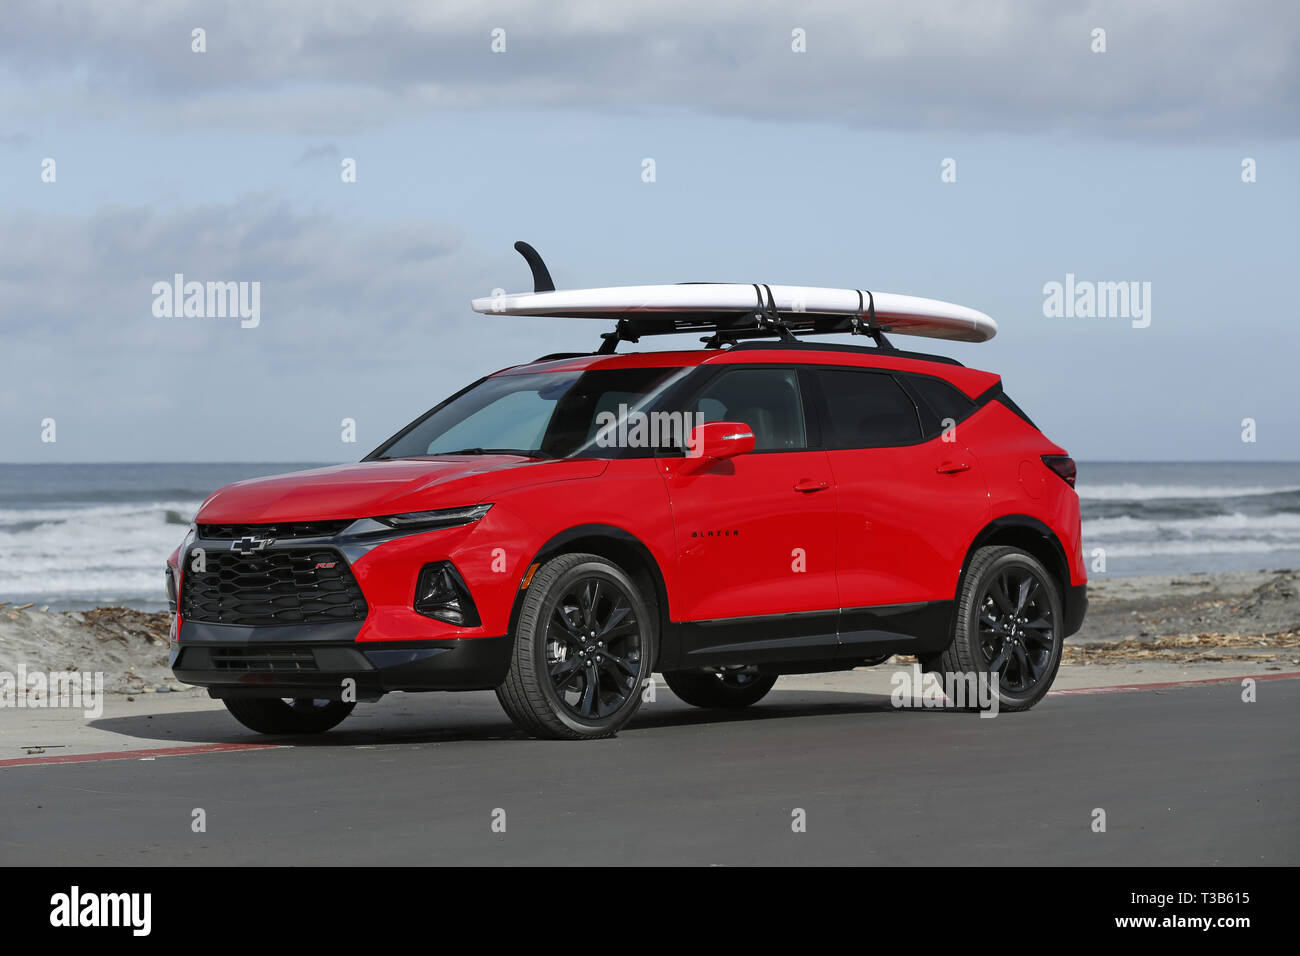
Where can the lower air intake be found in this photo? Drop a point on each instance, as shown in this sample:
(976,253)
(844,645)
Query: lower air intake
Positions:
(278,659)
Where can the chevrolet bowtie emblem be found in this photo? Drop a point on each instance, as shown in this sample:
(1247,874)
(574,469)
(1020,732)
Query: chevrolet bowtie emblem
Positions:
(251,544)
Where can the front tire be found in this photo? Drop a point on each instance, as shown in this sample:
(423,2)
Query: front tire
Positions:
(725,689)
(271,715)
(583,649)
(1008,625)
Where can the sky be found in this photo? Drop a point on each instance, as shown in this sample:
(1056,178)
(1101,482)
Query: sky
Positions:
(820,167)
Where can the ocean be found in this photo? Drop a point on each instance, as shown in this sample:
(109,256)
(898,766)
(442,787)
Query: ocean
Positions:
(80,536)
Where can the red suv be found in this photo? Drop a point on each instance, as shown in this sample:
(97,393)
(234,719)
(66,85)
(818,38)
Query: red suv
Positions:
(559,531)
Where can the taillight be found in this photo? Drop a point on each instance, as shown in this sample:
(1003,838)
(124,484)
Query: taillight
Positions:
(1063,465)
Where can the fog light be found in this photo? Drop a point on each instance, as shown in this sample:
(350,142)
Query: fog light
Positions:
(440,593)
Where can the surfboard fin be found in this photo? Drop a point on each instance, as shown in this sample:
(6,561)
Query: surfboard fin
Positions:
(542,281)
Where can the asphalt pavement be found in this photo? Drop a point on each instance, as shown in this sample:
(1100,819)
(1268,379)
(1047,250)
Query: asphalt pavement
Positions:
(1186,774)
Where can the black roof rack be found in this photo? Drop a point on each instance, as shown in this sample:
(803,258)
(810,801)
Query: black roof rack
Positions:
(764,322)
(838,347)
(556,356)
(795,345)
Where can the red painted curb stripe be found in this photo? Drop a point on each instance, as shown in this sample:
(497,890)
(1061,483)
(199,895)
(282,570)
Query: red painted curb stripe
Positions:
(1127,688)
(136,754)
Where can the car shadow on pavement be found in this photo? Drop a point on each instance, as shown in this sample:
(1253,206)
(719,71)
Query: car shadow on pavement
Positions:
(419,718)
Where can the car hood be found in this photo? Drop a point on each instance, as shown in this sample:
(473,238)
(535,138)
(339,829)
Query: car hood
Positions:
(372,488)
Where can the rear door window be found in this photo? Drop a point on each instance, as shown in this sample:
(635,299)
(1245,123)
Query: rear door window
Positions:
(865,409)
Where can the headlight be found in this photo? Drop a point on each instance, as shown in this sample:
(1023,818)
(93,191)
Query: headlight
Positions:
(182,556)
(446,518)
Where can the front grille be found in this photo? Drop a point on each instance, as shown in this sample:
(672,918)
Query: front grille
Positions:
(282,531)
(284,586)
(263,659)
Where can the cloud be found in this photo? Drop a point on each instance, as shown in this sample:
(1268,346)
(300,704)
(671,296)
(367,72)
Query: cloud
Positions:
(311,265)
(316,153)
(1178,69)
(366,320)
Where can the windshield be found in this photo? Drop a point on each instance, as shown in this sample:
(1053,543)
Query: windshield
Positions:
(540,415)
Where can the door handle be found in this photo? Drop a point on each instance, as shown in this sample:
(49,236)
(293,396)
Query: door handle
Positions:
(953,467)
(807,485)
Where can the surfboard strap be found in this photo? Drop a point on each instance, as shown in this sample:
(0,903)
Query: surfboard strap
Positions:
(858,327)
(767,316)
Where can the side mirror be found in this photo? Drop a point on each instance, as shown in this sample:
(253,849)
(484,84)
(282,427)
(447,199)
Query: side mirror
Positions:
(717,441)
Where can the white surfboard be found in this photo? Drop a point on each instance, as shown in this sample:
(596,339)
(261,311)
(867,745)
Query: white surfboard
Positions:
(902,314)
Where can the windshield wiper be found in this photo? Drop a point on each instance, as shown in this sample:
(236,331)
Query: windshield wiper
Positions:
(524,453)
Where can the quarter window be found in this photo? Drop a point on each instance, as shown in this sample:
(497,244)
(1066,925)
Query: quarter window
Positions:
(946,401)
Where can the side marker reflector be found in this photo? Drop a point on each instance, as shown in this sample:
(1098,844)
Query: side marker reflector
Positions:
(523,585)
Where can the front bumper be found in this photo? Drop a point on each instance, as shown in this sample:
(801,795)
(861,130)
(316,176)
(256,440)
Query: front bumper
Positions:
(352,603)
(316,660)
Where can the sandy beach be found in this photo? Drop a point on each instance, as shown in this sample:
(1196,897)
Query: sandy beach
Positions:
(1186,618)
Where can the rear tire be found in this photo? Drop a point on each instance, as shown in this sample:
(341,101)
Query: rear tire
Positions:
(584,647)
(271,715)
(1008,624)
(727,689)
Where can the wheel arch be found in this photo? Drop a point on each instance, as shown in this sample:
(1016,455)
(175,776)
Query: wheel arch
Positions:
(622,548)
(1029,534)
(1035,537)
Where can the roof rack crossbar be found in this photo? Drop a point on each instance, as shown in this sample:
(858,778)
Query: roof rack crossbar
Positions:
(728,330)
